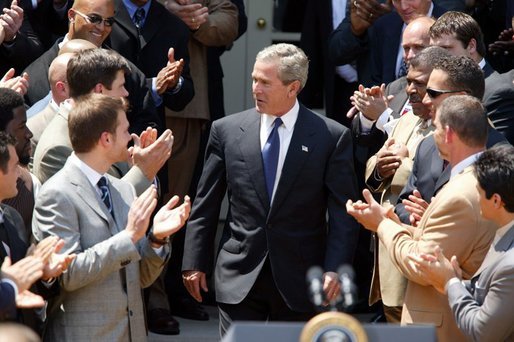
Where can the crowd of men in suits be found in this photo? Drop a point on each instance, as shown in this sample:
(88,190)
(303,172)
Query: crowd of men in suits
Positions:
(427,138)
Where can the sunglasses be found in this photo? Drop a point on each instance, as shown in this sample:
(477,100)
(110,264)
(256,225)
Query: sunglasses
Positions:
(96,19)
(433,93)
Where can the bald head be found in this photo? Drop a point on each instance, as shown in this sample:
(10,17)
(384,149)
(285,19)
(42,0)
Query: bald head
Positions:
(82,27)
(75,46)
(57,77)
(416,37)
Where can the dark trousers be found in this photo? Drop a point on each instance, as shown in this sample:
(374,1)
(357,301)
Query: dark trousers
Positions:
(263,303)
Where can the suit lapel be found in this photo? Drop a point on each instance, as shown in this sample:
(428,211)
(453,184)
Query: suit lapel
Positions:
(123,18)
(301,146)
(88,194)
(250,146)
(151,25)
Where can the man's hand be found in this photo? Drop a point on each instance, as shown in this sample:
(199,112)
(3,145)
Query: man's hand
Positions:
(27,300)
(192,14)
(416,206)
(363,14)
(168,77)
(436,269)
(194,281)
(387,160)
(11,20)
(369,214)
(331,287)
(23,273)
(505,43)
(168,221)
(371,102)
(140,212)
(150,154)
(20,84)
(57,263)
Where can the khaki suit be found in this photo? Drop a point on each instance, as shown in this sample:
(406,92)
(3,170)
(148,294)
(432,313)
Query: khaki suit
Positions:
(387,283)
(452,221)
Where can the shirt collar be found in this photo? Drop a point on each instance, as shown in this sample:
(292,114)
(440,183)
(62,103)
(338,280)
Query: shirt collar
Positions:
(502,231)
(92,176)
(482,63)
(1,215)
(464,164)
(289,118)
(132,8)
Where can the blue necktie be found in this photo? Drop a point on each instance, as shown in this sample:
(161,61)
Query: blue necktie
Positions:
(270,154)
(139,17)
(404,68)
(106,194)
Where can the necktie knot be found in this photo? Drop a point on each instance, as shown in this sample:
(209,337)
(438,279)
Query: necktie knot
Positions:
(106,194)
(139,17)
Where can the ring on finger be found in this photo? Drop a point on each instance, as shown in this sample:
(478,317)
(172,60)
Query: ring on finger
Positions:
(371,15)
(193,20)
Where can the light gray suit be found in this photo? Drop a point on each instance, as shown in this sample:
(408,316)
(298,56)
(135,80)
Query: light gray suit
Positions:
(484,305)
(54,148)
(100,298)
(38,123)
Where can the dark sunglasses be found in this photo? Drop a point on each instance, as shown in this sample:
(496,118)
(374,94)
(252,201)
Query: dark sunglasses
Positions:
(433,93)
(96,19)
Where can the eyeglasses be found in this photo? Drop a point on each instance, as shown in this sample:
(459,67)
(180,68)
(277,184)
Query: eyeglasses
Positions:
(433,93)
(96,19)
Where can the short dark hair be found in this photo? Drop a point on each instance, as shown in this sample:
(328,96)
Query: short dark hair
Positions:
(92,115)
(494,170)
(463,74)
(93,66)
(428,57)
(9,100)
(5,141)
(465,115)
(462,25)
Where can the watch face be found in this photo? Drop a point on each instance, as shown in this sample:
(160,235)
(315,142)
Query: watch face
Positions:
(333,327)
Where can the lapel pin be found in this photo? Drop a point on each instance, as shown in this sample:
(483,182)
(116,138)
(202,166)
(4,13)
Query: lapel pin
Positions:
(305,148)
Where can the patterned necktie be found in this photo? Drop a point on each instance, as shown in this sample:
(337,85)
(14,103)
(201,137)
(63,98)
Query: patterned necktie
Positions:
(403,68)
(270,154)
(139,17)
(106,194)
(3,239)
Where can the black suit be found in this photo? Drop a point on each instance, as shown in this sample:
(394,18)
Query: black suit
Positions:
(7,302)
(375,51)
(324,88)
(317,175)
(499,101)
(142,112)
(25,48)
(427,174)
(149,49)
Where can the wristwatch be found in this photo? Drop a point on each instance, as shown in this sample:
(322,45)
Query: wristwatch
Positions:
(160,242)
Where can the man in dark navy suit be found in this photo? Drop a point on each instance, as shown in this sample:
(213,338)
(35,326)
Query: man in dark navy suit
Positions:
(283,167)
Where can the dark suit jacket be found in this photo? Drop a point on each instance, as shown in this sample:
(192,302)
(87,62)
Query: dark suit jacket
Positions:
(427,174)
(324,87)
(149,51)
(25,48)
(7,302)
(375,51)
(317,175)
(499,101)
(142,112)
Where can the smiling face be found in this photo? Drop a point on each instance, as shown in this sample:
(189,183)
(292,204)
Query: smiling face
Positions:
(81,28)
(271,95)
(17,127)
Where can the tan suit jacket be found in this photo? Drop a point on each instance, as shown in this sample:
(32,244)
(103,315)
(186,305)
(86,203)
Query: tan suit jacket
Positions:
(452,221)
(387,283)
(39,122)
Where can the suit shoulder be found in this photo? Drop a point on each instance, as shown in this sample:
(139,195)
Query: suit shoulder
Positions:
(324,122)
(12,214)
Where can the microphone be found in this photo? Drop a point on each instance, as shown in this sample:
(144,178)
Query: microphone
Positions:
(314,280)
(348,288)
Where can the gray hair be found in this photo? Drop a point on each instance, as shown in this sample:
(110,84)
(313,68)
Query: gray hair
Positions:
(428,57)
(293,64)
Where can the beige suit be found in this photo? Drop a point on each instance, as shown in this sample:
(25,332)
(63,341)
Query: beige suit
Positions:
(387,283)
(39,122)
(452,221)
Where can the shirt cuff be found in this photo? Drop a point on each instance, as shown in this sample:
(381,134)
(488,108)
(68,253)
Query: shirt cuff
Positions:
(366,123)
(450,283)
(157,99)
(383,119)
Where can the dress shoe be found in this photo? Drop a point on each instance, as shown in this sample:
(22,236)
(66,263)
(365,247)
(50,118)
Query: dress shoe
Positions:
(189,308)
(160,321)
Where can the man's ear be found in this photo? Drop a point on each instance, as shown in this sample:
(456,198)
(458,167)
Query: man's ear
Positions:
(105,139)
(294,88)
(99,88)
(449,134)
(472,46)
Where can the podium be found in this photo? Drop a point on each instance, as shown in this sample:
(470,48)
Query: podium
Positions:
(290,332)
